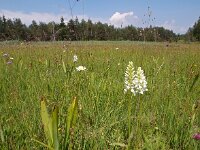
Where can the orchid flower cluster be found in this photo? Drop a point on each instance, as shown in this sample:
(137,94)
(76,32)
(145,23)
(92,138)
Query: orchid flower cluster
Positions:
(135,81)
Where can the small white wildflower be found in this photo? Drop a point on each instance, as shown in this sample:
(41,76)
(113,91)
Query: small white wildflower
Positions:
(75,58)
(80,68)
(5,55)
(9,62)
(11,58)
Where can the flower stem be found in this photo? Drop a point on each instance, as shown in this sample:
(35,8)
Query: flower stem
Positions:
(138,119)
(129,122)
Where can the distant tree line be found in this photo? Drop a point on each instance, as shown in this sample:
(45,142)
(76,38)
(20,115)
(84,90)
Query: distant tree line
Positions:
(193,33)
(83,30)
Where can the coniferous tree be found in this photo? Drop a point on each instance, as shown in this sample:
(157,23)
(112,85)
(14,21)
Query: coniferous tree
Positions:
(196,30)
(84,30)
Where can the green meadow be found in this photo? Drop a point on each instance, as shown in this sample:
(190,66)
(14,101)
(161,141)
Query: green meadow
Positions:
(169,112)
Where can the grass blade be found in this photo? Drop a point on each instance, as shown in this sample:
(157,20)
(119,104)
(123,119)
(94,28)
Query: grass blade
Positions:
(41,143)
(194,81)
(1,133)
(64,67)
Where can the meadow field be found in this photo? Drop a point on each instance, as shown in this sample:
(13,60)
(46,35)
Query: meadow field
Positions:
(167,116)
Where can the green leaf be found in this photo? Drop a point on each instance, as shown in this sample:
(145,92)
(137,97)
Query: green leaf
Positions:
(55,128)
(71,117)
(46,120)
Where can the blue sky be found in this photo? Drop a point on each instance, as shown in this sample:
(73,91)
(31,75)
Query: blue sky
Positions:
(176,15)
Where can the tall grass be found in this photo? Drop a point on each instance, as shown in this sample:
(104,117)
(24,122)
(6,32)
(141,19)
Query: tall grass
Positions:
(47,70)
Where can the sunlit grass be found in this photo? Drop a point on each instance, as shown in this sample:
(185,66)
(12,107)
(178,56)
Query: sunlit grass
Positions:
(48,70)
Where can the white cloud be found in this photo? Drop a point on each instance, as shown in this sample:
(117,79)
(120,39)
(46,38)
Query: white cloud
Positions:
(125,19)
(183,30)
(117,19)
(28,17)
(172,25)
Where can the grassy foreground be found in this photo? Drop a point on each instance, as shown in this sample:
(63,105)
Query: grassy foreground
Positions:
(169,111)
